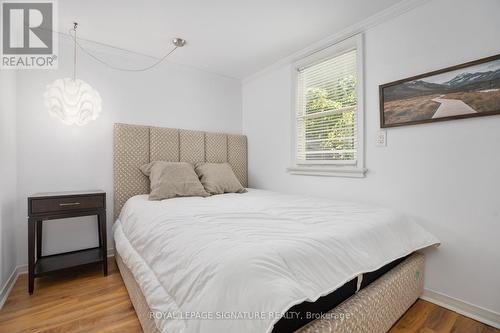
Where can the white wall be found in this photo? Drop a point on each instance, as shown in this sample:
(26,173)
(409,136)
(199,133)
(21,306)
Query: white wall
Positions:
(447,174)
(8,176)
(55,157)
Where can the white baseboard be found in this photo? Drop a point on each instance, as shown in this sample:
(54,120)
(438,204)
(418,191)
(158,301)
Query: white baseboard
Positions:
(23,269)
(7,287)
(475,312)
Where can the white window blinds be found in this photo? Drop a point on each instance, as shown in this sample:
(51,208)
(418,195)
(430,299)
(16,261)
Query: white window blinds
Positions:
(326,111)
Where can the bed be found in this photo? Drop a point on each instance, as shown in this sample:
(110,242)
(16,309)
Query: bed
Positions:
(237,262)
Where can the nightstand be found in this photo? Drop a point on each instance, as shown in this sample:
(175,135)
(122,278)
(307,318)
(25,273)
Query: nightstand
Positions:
(50,206)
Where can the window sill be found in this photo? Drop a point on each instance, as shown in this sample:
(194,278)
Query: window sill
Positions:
(328,171)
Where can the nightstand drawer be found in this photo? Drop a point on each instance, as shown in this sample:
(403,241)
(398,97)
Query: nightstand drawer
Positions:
(48,205)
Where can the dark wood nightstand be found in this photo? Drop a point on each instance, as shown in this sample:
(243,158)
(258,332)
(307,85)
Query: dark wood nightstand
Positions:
(49,206)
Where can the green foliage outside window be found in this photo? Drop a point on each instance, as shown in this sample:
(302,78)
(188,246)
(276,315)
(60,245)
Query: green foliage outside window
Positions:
(334,133)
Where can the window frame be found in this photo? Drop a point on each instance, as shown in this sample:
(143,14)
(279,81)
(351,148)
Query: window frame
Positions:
(330,167)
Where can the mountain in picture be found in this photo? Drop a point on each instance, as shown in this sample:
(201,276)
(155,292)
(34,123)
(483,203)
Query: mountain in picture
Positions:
(461,82)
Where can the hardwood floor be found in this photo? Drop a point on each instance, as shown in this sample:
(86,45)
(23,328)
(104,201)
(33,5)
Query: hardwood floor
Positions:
(81,301)
(86,301)
(426,317)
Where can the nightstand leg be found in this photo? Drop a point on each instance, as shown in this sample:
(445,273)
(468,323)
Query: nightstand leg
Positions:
(31,255)
(101,218)
(99,229)
(39,225)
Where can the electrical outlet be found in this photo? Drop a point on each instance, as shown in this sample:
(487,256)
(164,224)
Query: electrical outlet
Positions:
(381,139)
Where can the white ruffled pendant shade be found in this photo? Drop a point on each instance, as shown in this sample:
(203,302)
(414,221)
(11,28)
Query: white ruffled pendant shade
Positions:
(74,102)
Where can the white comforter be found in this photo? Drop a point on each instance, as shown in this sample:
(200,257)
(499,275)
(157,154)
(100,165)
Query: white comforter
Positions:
(230,263)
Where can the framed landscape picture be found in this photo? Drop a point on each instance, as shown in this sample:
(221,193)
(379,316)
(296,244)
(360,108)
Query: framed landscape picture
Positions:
(467,90)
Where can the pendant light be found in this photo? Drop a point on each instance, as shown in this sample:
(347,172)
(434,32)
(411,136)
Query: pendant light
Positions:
(71,100)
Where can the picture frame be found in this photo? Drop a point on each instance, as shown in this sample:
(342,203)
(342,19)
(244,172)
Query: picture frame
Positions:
(471,89)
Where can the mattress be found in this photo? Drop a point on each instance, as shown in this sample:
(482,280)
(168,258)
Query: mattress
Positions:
(213,264)
(301,314)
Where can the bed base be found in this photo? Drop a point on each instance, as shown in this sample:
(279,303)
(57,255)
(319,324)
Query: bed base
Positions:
(138,301)
(372,310)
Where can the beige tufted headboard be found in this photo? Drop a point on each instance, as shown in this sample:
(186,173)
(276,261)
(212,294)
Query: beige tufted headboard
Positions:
(136,145)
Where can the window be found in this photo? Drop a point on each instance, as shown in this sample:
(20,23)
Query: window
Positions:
(328,113)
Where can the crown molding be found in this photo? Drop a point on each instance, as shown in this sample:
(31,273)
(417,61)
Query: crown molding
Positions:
(360,27)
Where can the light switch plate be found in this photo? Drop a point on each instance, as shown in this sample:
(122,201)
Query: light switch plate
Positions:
(381,139)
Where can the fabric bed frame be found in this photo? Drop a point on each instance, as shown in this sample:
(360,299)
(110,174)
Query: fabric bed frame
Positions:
(373,309)
(136,145)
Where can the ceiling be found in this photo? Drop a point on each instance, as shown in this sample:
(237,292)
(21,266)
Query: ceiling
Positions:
(235,38)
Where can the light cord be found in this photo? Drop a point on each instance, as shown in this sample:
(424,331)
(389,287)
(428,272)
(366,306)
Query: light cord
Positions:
(75,25)
(72,33)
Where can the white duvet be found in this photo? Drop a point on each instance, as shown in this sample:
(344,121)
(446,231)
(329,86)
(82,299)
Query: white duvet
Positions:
(231,263)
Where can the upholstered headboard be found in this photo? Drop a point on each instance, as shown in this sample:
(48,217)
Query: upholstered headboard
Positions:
(136,145)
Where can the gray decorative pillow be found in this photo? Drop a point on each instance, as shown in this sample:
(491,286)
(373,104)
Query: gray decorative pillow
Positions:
(218,178)
(172,179)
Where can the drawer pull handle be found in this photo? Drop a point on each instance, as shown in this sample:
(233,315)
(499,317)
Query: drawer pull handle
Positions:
(69,204)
